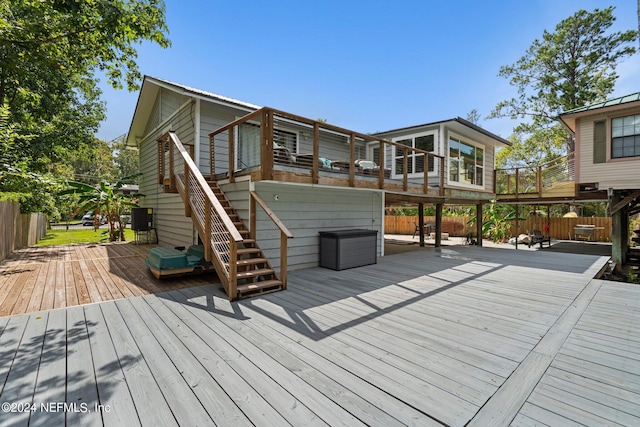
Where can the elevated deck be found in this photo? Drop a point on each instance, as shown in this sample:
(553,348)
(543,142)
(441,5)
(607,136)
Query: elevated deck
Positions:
(552,182)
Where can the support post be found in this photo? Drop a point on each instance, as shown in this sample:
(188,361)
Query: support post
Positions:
(421,222)
(439,224)
(619,231)
(479,223)
(517,224)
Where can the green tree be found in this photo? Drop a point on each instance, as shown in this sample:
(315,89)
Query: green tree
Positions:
(104,199)
(473,116)
(569,68)
(126,157)
(50,52)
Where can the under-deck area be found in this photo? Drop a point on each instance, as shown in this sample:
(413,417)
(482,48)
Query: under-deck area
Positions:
(437,336)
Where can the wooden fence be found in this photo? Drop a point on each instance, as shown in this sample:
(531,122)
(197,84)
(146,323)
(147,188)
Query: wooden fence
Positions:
(561,228)
(19,230)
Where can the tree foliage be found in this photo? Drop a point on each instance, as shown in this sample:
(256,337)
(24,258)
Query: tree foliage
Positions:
(565,69)
(569,68)
(104,199)
(50,53)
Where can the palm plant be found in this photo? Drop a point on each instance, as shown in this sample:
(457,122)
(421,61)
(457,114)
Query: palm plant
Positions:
(497,221)
(103,199)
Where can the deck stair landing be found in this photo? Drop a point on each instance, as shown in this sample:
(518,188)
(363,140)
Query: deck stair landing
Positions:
(253,271)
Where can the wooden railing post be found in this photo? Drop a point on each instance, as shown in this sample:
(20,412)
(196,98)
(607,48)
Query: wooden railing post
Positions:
(539,181)
(232,154)
(187,188)
(283,259)
(266,144)
(212,157)
(405,167)
(172,178)
(381,155)
(425,188)
(352,160)
(161,166)
(252,217)
(316,154)
(207,231)
(233,270)
(517,182)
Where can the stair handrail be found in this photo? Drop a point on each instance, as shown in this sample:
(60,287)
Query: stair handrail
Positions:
(212,206)
(285,234)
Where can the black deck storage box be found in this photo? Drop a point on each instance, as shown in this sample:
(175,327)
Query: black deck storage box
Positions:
(344,249)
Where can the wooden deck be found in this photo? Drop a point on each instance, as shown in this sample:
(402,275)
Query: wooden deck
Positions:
(42,278)
(448,336)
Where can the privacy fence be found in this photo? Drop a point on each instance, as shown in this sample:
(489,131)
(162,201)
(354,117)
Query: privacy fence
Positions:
(560,228)
(19,230)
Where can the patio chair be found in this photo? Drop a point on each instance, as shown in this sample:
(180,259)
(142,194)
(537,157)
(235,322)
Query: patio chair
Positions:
(538,237)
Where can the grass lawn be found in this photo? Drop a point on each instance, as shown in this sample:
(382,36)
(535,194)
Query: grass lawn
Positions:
(66,237)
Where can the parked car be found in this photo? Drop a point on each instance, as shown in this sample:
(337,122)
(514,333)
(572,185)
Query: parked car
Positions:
(88,218)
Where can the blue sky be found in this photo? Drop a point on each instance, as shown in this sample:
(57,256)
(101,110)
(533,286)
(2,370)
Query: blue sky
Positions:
(365,65)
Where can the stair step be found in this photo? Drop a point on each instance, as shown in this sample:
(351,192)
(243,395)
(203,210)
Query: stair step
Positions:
(248,251)
(254,273)
(251,289)
(250,261)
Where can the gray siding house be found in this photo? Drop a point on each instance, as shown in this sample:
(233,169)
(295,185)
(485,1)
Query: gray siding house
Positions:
(312,176)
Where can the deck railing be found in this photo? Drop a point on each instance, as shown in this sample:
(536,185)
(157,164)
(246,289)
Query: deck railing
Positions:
(219,235)
(545,180)
(266,143)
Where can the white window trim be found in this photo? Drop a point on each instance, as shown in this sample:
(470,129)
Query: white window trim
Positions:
(413,136)
(448,164)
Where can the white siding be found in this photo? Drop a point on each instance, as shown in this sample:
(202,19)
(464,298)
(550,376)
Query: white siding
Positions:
(174,229)
(619,174)
(306,210)
(213,117)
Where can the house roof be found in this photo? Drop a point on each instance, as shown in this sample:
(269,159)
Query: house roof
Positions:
(569,117)
(462,123)
(151,85)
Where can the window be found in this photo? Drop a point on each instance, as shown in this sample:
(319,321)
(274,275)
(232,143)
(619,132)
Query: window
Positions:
(625,136)
(466,163)
(415,161)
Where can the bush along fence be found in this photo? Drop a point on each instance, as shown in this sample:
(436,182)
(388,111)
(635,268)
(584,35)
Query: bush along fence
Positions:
(19,230)
(560,228)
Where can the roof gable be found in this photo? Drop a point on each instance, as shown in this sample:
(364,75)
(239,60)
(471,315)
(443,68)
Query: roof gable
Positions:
(149,91)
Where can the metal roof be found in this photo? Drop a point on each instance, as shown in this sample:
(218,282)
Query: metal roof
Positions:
(453,120)
(608,103)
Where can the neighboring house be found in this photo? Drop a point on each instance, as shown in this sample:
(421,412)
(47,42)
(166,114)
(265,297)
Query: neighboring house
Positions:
(607,159)
(309,176)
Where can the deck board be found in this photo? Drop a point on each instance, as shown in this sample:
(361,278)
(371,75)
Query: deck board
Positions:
(424,338)
(43,278)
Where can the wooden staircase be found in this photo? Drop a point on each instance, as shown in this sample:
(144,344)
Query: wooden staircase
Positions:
(228,244)
(254,274)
